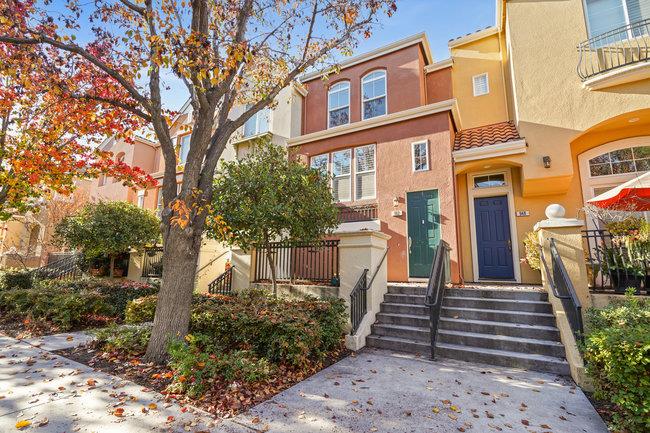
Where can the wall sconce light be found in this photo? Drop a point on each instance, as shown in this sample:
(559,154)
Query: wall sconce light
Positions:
(547,161)
(395,201)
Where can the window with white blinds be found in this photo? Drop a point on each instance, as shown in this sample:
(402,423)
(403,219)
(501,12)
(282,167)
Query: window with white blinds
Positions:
(341,172)
(481,85)
(365,172)
(606,15)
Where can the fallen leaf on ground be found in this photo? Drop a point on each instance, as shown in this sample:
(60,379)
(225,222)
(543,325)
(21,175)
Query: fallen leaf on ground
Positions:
(22,424)
(69,338)
(119,411)
(153,406)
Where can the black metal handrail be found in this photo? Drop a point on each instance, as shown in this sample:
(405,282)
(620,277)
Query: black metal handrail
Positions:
(152,262)
(563,289)
(68,267)
(358,297)
(304,262)
(435,290)
(222,285)
(358,301)
(615,49)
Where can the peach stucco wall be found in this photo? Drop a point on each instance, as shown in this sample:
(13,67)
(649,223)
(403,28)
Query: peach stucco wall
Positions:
(405,84)
(439,86)
(395,177)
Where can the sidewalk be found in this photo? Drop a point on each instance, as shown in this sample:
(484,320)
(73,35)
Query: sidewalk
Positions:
(375,391)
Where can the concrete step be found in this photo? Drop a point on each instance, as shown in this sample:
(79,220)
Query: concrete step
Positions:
(498,304)
(501,342)
(498,316)
(501,293)
(419,310)
(399,344)
(504,358)
(407,290)
(550,333)
(403,319)
(404,299)
(416,333)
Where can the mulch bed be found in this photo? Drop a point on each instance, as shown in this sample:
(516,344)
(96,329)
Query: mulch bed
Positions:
(24,328)
(224,400)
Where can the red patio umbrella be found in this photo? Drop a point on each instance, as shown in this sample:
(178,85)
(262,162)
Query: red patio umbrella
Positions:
(631,196)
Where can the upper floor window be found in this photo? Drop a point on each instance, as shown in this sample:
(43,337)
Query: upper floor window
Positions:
(606,15)
(420,156)
(481,84)
(341,170)
(338,104)
(184,148)
(258,123)
(320,163)
(629,160)
(365,172)
(373,95)
(141,194)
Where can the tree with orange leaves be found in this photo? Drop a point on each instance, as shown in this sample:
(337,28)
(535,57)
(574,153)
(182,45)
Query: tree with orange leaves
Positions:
(227,53)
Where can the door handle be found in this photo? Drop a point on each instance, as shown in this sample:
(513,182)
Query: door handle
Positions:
(509,245)
(410,243)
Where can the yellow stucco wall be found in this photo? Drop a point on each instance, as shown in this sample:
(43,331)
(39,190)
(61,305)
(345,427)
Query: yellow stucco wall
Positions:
(473,59)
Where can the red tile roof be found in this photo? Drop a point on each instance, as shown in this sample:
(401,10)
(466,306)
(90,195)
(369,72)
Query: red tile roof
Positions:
(486,135)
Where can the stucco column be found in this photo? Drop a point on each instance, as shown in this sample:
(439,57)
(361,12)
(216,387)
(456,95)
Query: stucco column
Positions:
(567,233)
(358,251)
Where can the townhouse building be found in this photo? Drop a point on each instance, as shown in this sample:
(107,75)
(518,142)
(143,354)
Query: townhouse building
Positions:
(555,104)
(383,128)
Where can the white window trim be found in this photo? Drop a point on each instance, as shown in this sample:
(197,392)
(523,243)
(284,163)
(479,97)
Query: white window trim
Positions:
(374,170)
(350,174)
(385,95)
(180,147)
(506,181)
(257,125)
(626,14)
(141,195)
(426,149)
(327,166)
(487,84)
(329,108)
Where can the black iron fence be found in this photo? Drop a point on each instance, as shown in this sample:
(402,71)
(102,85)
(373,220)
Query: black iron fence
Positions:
(563,289)
(299,262)
(68,267)
(358,301)
(222,285)
(613,265)
(615,49)
(152,263)
(348,214)
(439,276)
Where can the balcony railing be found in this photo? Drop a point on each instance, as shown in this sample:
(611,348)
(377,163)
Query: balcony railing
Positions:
(349,214)
(615,49)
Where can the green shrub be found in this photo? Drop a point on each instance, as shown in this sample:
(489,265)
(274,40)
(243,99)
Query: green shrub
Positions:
(280,330)
(617,355)
(16,279)
(197,362)
(132,339)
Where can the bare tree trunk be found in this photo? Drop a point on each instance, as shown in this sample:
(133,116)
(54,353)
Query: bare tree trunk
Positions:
(111,265)
(174,304)
(271,260)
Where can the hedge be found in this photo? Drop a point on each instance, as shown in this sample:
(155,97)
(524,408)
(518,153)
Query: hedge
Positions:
(280,330)
(15,279)
(617,355)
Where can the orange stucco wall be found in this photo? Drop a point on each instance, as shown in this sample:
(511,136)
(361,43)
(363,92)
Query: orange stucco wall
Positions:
(439,86)
(395,177)
(405,86)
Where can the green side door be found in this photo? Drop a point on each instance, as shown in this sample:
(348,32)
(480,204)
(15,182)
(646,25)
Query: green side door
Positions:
(423,219)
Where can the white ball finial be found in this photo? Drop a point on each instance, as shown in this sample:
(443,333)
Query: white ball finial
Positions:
(555,211)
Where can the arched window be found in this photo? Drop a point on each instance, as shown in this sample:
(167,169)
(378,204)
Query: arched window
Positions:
(338,104)
(621,161)
(373,95)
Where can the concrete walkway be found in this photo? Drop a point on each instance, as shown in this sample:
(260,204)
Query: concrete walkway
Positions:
(375,391)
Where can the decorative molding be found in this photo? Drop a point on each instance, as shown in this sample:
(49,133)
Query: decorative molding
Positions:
(454,43)
(490,151)
(411,113)
(381,51)
(628,74)
(442,64)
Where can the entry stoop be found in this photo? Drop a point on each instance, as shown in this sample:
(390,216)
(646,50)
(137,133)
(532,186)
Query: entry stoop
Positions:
(507,326)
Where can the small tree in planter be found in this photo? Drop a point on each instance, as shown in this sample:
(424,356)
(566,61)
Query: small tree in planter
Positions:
(108,228)
(266,197)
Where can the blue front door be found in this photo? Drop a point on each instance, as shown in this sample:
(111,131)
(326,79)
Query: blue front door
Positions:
(493,243)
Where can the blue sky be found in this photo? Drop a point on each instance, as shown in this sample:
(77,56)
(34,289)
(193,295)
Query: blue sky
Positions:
(440,19)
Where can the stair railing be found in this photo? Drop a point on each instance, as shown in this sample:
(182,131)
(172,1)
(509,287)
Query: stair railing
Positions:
(436,288)
(64,268)
(222,285)
(358,297)
(563,289)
